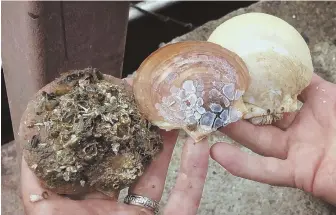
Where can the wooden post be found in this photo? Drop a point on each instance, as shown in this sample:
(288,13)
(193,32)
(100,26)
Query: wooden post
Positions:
(42,39)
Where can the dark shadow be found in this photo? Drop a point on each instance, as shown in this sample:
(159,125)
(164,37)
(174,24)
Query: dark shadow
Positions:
(7,134)
(146,33)
(144,36)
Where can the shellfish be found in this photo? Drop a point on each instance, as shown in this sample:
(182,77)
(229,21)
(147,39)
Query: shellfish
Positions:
(196,86)
(278,60)
(83,132)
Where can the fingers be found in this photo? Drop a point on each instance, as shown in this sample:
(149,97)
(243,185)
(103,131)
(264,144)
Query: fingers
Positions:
(30,185)
(186,195)
(319,96)
(286,121)
(257,168)
(312,88)
(151,184)
(95,203)
(99,195)
(100,207)
(265,140)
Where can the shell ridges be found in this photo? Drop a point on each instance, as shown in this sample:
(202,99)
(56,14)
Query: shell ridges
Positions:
(194,98)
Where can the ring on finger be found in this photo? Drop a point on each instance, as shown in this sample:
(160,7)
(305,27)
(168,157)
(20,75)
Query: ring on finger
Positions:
(142,201)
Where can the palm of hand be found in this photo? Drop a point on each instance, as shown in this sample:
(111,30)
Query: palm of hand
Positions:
(91,204)
(312,142)
(184,198)
(302,154)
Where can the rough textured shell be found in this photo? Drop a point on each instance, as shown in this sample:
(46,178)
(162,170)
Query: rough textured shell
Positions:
(278,60)
(196,86)
(108,174)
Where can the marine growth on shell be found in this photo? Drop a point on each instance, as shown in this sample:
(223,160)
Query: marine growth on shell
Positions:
(83,133)
(278,61)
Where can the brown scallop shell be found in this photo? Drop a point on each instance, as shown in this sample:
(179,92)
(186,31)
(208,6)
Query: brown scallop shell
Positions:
(27,133)
(195,86)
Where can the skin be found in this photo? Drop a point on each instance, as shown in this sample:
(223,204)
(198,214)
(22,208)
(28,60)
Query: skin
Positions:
(184,197)
(299,151)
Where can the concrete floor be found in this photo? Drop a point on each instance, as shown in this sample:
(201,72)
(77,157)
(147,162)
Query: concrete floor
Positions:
(10,178)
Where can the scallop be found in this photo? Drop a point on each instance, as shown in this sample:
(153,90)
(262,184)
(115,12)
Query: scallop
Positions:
(196,86)
(278,60)
(93,140)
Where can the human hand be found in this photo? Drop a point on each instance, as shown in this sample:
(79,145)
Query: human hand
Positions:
(301,154)
(184,198)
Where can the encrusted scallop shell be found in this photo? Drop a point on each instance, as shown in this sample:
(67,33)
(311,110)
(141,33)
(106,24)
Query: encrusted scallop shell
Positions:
(74,147)
(278,60)
(195,86)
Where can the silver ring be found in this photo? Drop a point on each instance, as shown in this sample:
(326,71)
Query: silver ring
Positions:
(133,199)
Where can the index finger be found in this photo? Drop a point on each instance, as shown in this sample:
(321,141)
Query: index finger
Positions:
(151,183)
(186,195)
(266,140)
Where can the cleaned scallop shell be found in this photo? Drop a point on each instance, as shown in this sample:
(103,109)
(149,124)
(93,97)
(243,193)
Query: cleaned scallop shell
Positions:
(195,86)
(278,60)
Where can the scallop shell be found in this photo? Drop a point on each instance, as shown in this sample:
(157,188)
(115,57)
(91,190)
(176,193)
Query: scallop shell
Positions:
(278,60)
(68,168)
(195,86)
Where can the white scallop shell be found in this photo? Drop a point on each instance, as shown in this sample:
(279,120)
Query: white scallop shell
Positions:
(278,60)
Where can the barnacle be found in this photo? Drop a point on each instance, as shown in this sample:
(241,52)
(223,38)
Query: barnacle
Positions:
(83,132)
